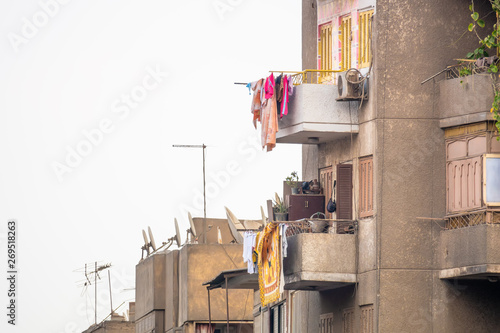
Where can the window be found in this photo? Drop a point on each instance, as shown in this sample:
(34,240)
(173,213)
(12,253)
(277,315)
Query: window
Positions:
(472,170)
(344,191)
(364,52)
(277,318)
(345,37)
(326,323)
(348,321)
(367,318)
(491,172)
(325,50)
(366,186)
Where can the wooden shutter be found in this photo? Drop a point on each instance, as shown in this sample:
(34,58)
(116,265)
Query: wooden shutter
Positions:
(345,40)
(366,187)
(364,51)
(326,323)
(348,321)
(325,51)
(367,318)
(344,191)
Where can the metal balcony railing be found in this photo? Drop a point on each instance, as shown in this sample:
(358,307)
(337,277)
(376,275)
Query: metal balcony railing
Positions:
(305,226)
(312,76)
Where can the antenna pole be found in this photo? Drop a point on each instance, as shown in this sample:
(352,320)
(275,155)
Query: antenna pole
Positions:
(204,200)
(110,295)
(95,296)
(203,146)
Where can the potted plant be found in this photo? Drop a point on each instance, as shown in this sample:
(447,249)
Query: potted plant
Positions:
(280,209)
(293,182)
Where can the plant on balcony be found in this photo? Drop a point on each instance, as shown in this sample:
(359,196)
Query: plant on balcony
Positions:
(280,208)
(488,42)
(293,182)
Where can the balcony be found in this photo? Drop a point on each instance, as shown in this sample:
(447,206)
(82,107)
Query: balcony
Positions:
(465,99)
(321,261)
(314,115)
(471,252)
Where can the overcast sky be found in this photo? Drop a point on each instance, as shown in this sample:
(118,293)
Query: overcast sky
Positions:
(93,94)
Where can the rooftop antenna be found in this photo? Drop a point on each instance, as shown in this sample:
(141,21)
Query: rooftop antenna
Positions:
(192,230)
(203,146)
(233,223)
(92,277)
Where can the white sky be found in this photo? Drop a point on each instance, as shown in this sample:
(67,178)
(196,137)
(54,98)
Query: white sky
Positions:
(68,76)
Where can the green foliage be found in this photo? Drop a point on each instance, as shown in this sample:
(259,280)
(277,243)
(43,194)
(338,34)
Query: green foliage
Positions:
(279,205)
(292,179)
(490,41)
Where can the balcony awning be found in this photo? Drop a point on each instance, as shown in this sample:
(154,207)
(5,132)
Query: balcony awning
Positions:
(236,279)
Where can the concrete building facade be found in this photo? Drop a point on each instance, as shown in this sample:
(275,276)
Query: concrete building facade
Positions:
(421,162)
(170,296)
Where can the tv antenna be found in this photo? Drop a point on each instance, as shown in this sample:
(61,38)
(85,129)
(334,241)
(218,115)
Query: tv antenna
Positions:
(203,146)
(91,277)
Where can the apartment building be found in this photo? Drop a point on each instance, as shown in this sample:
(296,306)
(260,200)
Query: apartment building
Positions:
(170,296)
(412,148)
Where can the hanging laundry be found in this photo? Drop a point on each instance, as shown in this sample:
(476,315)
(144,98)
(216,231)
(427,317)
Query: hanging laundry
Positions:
(270,265)
(248,249)
(256,100)
(278,90)
(269,119)
(269,86)
(284,103)
(249,85)
(290,85)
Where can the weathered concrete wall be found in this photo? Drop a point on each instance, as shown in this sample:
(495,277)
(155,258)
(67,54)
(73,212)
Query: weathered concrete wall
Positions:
(200,263)
(306,308)
(472,246)
(465,100)
(461,306)
(309,34)
(410,155)
(150,285)
(171,289)
(315,113)
(320,259)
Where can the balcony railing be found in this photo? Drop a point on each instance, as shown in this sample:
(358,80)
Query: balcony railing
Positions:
(468,219)
(312,76)
(328,226)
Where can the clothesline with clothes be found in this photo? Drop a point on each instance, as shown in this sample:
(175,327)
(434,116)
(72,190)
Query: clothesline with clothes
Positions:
(264,252)
(270,100)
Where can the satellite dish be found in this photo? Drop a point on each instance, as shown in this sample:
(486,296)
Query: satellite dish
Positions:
(234,219)
(191,222)
(264,218)
(153,244)
(177,233)
(232,226)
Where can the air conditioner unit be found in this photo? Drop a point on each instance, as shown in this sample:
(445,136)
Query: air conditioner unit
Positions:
(350,86)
